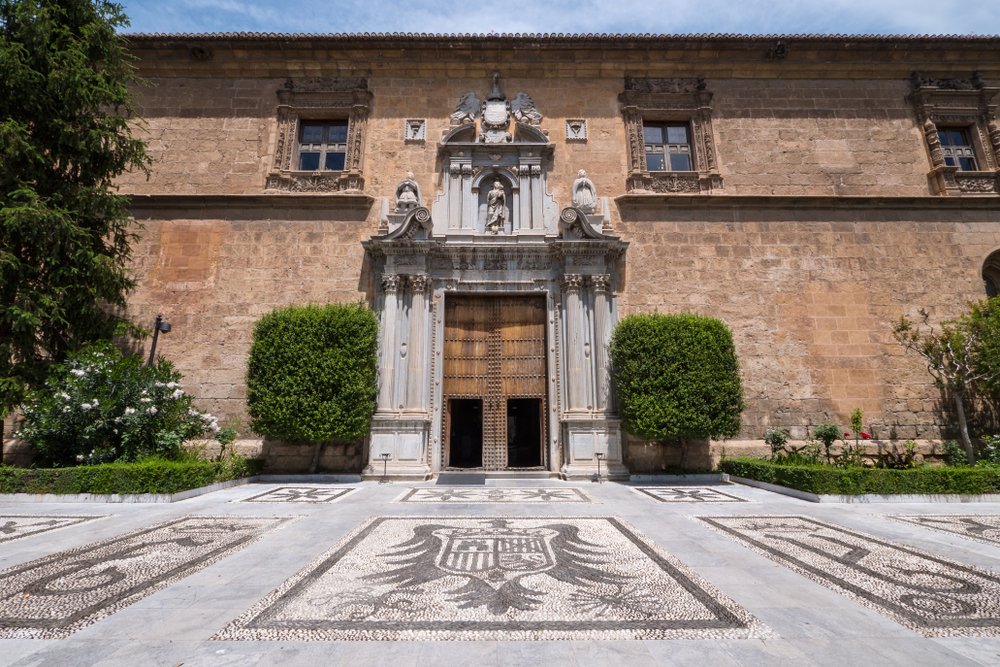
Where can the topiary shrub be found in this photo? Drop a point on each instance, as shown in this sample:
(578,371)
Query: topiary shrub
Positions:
(311,376)
(101,406)
(677,377)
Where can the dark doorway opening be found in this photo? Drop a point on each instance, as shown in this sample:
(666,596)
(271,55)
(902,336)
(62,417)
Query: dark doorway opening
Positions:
(524,432)
(465,432)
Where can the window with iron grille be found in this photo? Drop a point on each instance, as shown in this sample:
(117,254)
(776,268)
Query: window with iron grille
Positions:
(668,146)
(957,149)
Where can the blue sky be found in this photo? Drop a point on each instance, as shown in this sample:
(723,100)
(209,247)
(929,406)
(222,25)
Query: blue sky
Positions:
(968,17)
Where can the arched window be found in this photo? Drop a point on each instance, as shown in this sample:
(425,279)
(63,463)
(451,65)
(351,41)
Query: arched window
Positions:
(991,274)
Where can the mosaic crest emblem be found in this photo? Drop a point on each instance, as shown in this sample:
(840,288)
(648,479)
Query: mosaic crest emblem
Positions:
(496,555)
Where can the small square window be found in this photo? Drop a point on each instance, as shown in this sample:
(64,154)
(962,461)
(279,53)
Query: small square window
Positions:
(322,143)
(668,146)
(957,148)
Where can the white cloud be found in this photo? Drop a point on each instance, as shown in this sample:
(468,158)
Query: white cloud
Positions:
(570,16)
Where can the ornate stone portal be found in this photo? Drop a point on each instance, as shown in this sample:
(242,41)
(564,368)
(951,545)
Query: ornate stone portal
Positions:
(494,231)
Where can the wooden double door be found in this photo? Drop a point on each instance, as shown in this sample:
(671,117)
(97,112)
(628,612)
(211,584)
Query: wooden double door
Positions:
(495,382)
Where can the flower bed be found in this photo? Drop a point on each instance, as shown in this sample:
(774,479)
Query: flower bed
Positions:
(824,479)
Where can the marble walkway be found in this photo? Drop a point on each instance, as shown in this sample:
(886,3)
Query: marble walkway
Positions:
(532,572)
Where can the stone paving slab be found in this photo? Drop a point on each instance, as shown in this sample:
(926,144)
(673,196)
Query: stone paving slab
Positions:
(688,494)
(494,495)
(16,526)
(497,578)
(933,596)
(55,596)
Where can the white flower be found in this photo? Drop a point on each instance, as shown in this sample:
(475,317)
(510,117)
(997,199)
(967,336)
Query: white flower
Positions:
(86,406)
(171,385)
(129,411)
(78,372)
(144,400)
(96,403)
(152,410)
(79,458)
(63,395)
(177,393)
(65,408)
(158,384)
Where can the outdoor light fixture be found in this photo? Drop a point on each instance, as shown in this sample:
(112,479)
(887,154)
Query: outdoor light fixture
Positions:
(600,457)
(385,467)
(159,326)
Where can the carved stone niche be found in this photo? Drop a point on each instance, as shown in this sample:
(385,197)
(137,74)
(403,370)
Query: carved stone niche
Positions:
(320,98)
(681,99)
(958,103)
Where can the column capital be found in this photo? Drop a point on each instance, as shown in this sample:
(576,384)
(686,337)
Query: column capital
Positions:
(572,281)
(601,282)
(418,283)
(390,283)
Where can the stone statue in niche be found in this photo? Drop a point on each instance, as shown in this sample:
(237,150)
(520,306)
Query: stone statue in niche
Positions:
(407,194)
(524,109)
(584,193)
(467,110)
(496,208)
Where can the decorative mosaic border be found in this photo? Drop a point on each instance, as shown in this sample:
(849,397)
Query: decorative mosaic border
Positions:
(930,595)
(497,495)
(982,528)
(447,578)
(54,596)
(301,494)
(688,494)
(16,526)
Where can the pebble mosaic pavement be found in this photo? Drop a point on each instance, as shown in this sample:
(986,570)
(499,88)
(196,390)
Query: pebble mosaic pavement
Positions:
(495,495)
(687,494)
(495,578)
(301,494)
(14,527)
(984,529)
(55,596)
(931,595)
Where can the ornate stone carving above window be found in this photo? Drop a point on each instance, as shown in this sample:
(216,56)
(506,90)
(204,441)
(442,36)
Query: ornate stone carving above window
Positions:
(681,110)
(959,122)
(320,99)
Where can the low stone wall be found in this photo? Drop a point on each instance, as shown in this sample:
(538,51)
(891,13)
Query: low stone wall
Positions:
(286,457)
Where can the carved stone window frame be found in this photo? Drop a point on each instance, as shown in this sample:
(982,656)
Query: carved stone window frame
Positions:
(320,98)
(681,100)
(959,103)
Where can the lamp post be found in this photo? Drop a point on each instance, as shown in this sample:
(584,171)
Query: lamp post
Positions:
(600,457)
(159,326)
(385,466)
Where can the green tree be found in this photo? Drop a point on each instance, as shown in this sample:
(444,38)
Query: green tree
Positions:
(677,377)
(65,135)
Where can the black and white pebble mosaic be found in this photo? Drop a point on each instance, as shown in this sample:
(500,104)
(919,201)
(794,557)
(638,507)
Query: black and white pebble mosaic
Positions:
(982,528)
(301,494)
(494,578)
(52,597)
(13,527)
(931,595)
(688,494)
(495,495)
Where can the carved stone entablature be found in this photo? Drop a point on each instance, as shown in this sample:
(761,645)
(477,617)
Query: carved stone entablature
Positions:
(963,103)
(677,100)
(321,99)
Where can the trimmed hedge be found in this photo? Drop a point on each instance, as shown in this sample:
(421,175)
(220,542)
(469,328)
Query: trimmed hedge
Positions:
(153,476)
(677,377)
(311,375)
(821,479)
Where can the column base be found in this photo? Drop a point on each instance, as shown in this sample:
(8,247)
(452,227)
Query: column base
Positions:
(587,436)
(404,439)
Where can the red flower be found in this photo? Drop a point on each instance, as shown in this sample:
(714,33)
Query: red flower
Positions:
(866,436)
(846,434)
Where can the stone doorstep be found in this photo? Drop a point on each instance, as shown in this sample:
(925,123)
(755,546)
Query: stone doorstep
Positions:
(116,498)
(870,498)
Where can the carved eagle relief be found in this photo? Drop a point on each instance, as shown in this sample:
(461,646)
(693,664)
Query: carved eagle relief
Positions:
(467,110)
(493,559)
(524,109)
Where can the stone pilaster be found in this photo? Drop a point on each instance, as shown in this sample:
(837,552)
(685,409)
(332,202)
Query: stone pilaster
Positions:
(387,342)
(576,364)
(419,359)
(600,284)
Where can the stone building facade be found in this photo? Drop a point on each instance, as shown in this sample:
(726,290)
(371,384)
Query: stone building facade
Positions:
(501,201)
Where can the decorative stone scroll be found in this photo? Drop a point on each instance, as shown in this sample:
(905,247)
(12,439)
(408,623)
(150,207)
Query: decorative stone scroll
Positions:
(673,99)
(959,102)
(326,98)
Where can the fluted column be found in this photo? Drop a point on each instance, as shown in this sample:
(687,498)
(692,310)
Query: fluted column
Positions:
(387,343)
(418,358)
(576,387)
(602,332)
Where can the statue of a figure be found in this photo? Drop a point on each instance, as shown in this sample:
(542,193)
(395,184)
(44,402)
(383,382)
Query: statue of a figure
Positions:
(584,194)
(496,208)
(407,194)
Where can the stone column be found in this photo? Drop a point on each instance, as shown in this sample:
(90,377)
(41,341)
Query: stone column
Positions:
(602,336)
(576,387)
(387,342)
(419,365)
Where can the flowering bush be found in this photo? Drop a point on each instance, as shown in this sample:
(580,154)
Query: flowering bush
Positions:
(100,406)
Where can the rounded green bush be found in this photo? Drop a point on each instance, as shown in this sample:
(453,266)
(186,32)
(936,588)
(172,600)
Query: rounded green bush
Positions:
(676,376)
(311,376)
